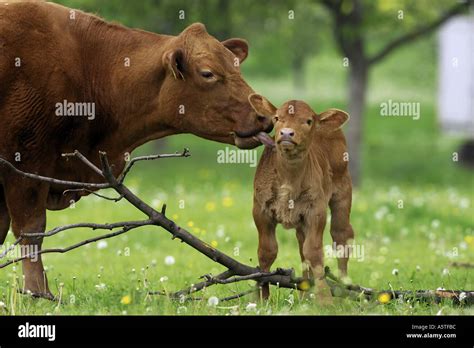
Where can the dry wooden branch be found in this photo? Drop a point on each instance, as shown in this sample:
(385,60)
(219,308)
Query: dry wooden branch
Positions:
(235,270)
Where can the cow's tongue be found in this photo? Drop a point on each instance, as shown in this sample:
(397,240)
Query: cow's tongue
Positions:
(265,139)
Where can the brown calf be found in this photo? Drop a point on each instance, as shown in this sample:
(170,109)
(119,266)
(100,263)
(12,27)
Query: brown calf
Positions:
(296,181)
(143,86)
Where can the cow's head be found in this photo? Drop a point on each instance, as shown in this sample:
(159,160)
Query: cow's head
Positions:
(296,124)
(204,91)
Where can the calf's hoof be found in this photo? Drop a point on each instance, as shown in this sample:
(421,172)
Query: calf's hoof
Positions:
(323,293)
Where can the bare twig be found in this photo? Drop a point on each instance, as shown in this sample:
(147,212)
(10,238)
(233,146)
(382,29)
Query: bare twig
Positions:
(184,153)
(72,247)
(113,199)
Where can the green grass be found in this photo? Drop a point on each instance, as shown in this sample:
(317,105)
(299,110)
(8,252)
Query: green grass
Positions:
(402,160)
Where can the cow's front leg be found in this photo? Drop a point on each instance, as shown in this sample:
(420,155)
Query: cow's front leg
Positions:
(313,253)
(4,217)
(26,201)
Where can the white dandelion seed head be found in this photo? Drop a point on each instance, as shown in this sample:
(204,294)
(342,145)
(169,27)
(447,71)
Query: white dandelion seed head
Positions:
(213,301)
(445,272)
(102,244)
(251,307)
(169,260)
(220,233)
(100,286)
(182,310)
(163,279)
(435,223)
(395,271)
(464,203)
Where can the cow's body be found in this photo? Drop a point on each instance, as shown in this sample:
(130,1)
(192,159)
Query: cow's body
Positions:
(137,82)
(54,63)
(297,180)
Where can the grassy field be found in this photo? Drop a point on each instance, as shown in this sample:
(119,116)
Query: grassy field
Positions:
(403,160)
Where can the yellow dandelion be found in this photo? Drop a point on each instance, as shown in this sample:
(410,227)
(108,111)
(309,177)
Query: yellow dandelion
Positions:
(190,223)
(469,240)
(384,297)
(175,216)
(227,202)
(126,300)
(214,243)
(304,285)
(196,230)
(210,206)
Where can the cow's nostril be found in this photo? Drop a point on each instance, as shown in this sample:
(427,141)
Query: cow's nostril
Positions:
(291,134)
(261,119)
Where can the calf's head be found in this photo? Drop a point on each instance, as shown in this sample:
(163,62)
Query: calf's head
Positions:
(296,124)
(204,91)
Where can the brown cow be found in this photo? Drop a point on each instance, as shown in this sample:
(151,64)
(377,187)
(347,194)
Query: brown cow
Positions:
(56,62)
(296,181)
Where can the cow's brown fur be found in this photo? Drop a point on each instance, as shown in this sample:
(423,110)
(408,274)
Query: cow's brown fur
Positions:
(296,181)
(78,57)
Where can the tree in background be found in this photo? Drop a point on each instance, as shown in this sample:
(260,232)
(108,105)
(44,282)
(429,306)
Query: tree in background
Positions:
(401,22)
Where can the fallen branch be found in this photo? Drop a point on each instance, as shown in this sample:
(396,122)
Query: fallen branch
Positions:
(235,271)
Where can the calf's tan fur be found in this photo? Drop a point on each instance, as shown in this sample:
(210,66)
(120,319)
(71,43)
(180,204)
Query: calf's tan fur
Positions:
(296,180)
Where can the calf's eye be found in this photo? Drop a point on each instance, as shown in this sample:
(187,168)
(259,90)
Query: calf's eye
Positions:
(309,122)
(207,74)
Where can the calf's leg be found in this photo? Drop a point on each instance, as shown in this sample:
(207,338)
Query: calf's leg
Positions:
(267,245)
(313,254)
(341,229)
(307,274)
(26,201)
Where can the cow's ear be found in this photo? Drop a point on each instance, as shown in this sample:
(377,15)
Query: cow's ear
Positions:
(174,60)
(239,47)
(332,119)
(262,105)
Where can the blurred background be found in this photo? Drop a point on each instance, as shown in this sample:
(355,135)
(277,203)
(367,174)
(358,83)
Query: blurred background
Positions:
(349,54)
(413,205)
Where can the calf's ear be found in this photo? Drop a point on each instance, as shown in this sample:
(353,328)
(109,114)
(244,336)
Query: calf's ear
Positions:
(174,60)
(262,105)
(332,119)
(238,47)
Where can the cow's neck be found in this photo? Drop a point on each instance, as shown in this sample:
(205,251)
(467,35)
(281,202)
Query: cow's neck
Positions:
(123,69)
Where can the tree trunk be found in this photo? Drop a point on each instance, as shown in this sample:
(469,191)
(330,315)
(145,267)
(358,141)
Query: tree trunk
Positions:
(358,75)
(299,84)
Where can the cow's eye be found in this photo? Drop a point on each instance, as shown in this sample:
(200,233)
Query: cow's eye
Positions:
(309,122)
(207,74)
